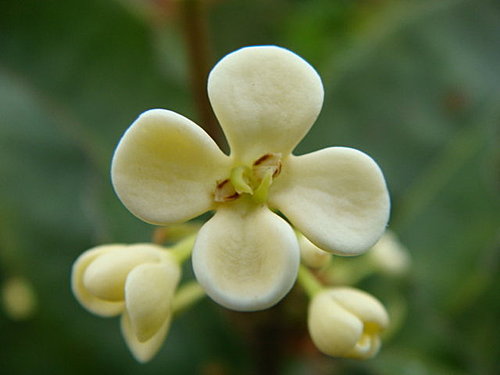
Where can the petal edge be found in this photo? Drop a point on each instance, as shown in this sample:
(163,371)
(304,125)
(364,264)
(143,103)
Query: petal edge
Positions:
(149,291)
(246,259)
(165,168)
(87,300)
(337,197)
(266,98)
(143,351)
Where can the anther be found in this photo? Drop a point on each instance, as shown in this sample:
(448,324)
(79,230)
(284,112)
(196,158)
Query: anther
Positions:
(225,192)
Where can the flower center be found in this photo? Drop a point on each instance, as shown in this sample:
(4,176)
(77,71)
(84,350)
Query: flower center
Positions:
(254,181)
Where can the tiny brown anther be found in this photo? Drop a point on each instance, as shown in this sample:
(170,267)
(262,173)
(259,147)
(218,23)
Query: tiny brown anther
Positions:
(262,159)
(267,162)
(225,192)
(220,184)
(268,159)
(278,169)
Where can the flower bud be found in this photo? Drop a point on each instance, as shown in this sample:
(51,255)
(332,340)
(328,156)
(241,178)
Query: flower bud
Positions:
(346,322)
(389,255)
(137,281)
(311,255)
(18,297)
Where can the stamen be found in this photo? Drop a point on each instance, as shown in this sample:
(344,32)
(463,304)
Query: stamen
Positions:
(225,192)
(271,161)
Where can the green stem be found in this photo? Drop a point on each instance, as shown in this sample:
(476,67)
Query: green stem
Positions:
(187,295)
(361,273)
(308,281)
(182,250)
(195,27)
(174,233)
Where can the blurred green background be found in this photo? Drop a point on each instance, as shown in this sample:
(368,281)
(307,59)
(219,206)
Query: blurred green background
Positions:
(415,84)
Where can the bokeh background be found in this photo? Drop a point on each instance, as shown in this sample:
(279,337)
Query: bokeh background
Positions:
(415,84)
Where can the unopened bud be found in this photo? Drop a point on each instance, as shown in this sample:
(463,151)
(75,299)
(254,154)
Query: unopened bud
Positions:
(311,255)
(389,255)
(18,298)
(346,322)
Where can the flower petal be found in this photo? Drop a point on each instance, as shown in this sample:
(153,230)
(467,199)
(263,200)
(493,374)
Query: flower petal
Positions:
(372,314)
(363,305)
(246,257)
(311,255)
(336,197)
(266,98)
(334,330)
(89,301)
(165,168)
(346,322)
(105,276)
(143,351)
(149,291)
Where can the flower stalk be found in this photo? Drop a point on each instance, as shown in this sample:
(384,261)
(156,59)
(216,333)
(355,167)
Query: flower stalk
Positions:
(187,295)
(182,250)
(309,282)
(195,29)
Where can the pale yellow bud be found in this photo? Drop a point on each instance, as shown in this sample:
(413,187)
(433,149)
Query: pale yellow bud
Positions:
(137,281)
(389,255)
(105,276)
(311,255)
(346,322)
(18,297)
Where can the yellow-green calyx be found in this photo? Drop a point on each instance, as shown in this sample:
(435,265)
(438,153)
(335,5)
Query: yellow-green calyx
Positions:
(254,181)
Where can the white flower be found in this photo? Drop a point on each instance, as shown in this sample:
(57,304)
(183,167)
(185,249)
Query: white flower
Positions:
(167,170)
(346,322)
(137,281)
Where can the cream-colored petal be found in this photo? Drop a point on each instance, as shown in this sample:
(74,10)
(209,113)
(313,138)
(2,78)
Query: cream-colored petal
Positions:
(366,348)
(363,305)
(166,167)
(370,311)
(246,257)
(346,322)
(266,98)
(89,301)
(311,255)
(149,291)
(337,197)
(143,351)
(333,329)
(105,276)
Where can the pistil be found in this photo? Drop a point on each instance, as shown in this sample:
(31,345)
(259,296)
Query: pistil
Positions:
(254,181)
